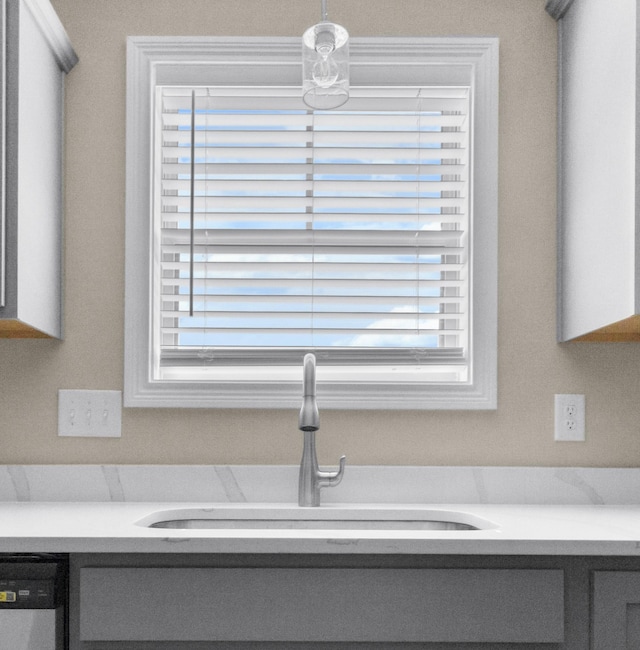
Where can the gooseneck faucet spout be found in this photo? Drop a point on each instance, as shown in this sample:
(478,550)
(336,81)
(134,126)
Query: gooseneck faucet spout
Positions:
(311,477)
(309,419)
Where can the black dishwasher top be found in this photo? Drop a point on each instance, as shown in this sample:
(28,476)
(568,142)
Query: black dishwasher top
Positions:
(32,582)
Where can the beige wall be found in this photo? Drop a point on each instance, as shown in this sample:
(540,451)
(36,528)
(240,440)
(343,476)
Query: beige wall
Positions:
(532,366)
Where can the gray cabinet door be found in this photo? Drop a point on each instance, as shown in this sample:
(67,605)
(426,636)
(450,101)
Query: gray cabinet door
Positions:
(329,605)
(616,610)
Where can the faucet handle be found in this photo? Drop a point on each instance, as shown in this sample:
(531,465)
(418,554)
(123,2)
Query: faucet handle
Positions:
(329,479)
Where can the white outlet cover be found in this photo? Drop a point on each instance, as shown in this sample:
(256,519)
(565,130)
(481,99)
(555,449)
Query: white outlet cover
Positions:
(569,418)
(90,413)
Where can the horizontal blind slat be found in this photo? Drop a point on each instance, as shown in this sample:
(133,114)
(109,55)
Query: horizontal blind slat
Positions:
(320,240)
(370,286)
(360,221)
(210,124)
(179,171)
(342,138)
(370,154)
(405,205)
(233,328)
(211,299)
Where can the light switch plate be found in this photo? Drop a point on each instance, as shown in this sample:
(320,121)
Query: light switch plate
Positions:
(92,413)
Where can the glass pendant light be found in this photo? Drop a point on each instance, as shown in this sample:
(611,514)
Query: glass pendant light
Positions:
(325,64)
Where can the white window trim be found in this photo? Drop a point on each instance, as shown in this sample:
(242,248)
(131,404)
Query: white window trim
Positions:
(174,60)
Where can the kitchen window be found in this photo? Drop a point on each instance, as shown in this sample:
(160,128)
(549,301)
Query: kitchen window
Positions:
(258,229)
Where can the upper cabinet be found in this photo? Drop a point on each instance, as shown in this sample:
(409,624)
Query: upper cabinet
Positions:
(36,56)
(598,238)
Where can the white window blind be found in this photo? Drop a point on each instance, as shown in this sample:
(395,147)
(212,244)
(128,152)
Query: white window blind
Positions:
(281,229)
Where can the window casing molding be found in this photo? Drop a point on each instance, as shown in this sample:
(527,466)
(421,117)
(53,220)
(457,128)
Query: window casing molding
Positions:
(191,61)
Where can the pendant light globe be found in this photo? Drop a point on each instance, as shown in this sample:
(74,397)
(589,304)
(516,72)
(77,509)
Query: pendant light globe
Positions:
(325,66)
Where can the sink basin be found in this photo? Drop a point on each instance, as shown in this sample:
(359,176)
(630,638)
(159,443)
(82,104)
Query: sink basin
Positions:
(283,518)
(319,524)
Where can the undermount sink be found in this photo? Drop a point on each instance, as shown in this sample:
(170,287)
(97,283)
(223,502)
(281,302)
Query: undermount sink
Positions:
(322,524)
(282,518)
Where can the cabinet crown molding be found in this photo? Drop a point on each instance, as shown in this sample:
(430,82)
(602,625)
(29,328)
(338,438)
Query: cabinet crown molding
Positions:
(54,32)
(557,8)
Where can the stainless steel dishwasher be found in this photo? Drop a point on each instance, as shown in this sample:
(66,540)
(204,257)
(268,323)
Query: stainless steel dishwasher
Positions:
(33,602)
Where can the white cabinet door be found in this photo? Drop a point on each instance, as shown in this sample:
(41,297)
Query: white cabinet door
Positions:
(599,163)
(36,57)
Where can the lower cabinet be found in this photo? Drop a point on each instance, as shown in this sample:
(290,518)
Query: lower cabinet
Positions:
(268,602)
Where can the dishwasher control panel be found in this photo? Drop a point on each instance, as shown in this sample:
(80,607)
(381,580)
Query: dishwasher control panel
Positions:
(26,593)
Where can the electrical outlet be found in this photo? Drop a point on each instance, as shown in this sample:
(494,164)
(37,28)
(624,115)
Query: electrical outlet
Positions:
(570,418)
(94,413)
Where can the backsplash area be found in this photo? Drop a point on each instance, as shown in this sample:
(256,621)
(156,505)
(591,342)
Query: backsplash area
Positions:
(279,484)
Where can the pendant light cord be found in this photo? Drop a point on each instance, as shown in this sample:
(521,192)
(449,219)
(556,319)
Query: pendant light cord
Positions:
(324,10)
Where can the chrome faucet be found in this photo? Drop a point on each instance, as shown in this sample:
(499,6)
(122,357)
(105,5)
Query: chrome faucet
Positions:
(311,477)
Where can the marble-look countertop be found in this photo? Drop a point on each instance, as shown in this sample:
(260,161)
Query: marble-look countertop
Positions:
(119,528)
(536,511)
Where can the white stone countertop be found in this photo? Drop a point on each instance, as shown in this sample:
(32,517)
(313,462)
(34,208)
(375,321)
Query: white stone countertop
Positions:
(531,511)
(522,529)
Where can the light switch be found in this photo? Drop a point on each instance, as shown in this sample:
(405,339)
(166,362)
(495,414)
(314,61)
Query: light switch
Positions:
(93,413)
